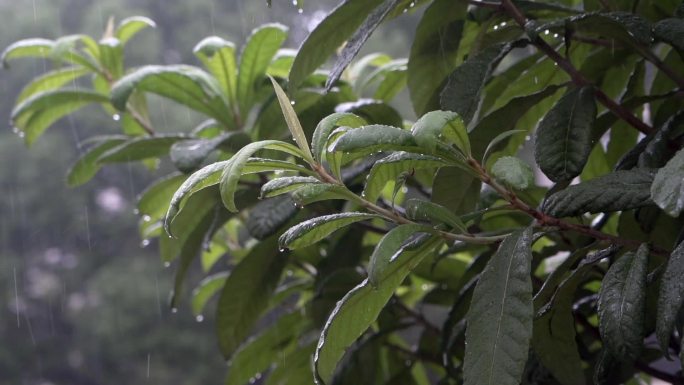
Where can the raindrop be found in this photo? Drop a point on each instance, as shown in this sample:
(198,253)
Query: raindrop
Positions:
(294,2)
(424,287)
(546,32)
(405,10)
(536,80)
(257,376)
(145,243)
(116,117)
(413,4)
(496,27)
(199,318)
(282,249)
(408,363)
(300,11)
(136,211)
(20,134)
(252,380)
(555,35)
(292,102)
(167,264)
(289,273)
(174,310)
(146,218)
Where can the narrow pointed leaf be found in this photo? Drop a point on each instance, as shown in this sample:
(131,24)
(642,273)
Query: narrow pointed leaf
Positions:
(36,47)
(269,215)
(621,305)
(421,210)
(246,293)
(313,230)
(617,191)
(374,138)
(256,55)
(671,297)
(51,80)
(306,195)
(140,148)
(188,155)
(360,308)
(130,27)
(285,184)
(389,248)
(668,186)
(500,316)
(563,140)
(292,121)
(434,52)
(328,36)
(354,44)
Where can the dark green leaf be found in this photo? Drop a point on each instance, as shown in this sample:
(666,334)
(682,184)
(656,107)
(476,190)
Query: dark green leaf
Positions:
(305,195)
(621,305)
(246,294)
(267,216)
(354,44)
(617,191)
(374,138)
(259,353)
(434,52)
(421,210)
(434,125)
(373,111)
(667,190)
(462,91)
(206,290)
(359,309)
(140,148)
(670,31)
(188,155)
(328,35)
(563,140)
(459,200)
(87,165)
(500,316)
(313,230)
(285,184)
(671,297)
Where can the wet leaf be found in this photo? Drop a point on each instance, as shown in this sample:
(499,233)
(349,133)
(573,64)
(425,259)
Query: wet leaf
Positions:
(87,165)
(671,297)
(667,190)
(313,230)
(513,172)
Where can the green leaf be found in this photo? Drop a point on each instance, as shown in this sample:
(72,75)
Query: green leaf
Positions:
(111,56)
(500,316)
(284,185)
(670,31)
(130,27)
(218,56)
(671,297)
(246,294)
(292,121)
(37,47)
(420,210)
(360,308)
(305,195)
(464,86)
(87,165)
(328,35)
(617,191)
(294,368)
(187,85)
(256,55)
(268,216)
(259,353)
(389,168)
(206,289)
(319,140)
(374,138)
(434,52)
(513,172)
(51,80)
(372,111)
(232,170)
(667,190)
(153,202)
(188,155)
(621,304)
(563,140)
(313,230)
(389,248)
(358,39)
(430,128)
(392,84)
(627,27)
(504,119)
(140,148)
(35,114)
(282,63)
(461,200)
(553,338)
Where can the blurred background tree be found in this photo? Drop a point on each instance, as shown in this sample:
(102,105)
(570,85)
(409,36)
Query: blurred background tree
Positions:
(79,304)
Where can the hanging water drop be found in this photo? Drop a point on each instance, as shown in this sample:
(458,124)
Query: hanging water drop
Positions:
(174,310)
(292,102)
(199,318)
(146,218)
(145,243)
(116,117)
(300,11)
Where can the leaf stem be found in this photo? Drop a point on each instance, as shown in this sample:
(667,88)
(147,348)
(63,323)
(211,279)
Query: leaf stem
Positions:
(576,76)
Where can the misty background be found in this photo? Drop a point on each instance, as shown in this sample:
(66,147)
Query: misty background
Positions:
(83,300)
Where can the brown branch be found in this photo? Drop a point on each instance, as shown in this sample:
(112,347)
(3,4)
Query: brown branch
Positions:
(575,75)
